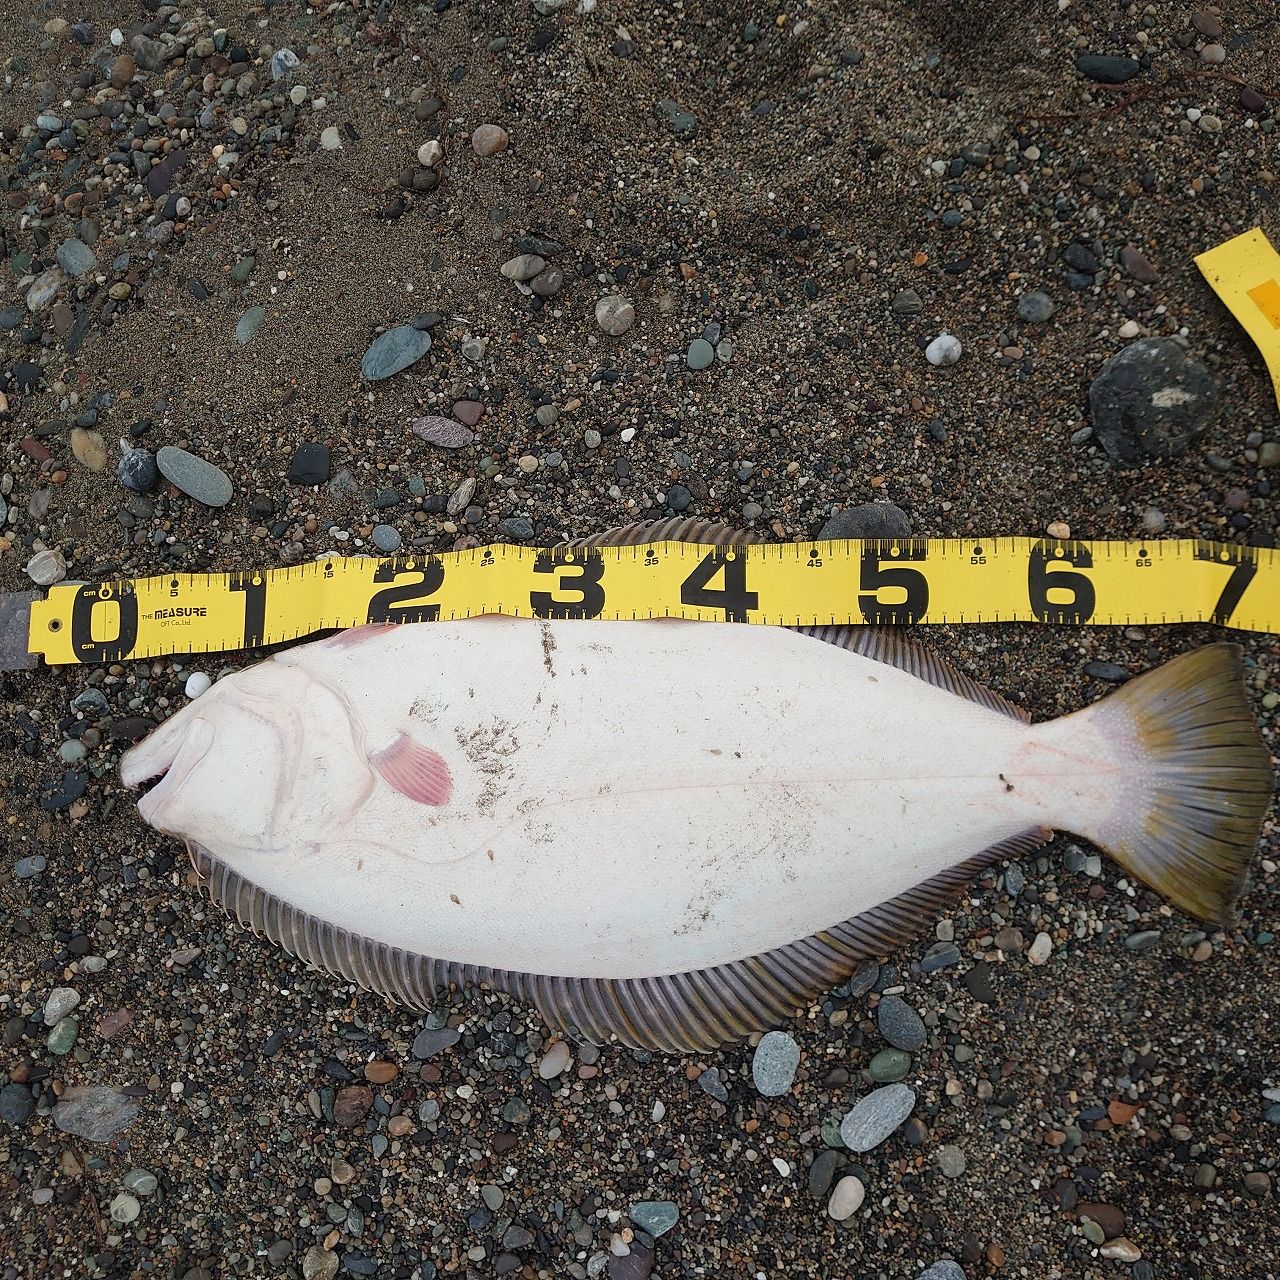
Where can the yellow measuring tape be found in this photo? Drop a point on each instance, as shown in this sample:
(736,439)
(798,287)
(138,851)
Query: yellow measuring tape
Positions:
(882,582)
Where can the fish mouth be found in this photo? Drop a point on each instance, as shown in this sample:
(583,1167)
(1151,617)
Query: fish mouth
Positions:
(170,759)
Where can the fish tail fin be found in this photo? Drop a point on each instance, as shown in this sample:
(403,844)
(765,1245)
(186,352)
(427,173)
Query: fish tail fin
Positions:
(1194,814)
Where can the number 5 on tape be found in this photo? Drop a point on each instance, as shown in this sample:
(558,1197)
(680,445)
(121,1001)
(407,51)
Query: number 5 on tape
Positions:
(1245,273)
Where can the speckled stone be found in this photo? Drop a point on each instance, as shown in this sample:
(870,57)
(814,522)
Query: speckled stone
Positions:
(196,477)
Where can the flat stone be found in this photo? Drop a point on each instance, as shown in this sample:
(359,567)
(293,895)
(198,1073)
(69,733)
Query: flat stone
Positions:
(951,1161)
(1152,400)
(1107,1216)
(773,1066)
(523,267)
(319,1264)
(352,1105)
(711,1084)
(944,1269)
(1039,951)
(868,520)
(900,1024)
(76,258)
(1132,260)
(95,1112)
(249,324)
(876,1116)
(657,1217)
(823,1170)
(434,1040)
(847,1198)
(442,431)
(1105,68)
(60,1003)
(889,1066)
(46,567)
(386,538)
(310,464)
(907,302)
(44,289)
(1035,307)
(394,351)
(701,354)
(554,1061)
(17,1106)
(548,282)
(90,449)
(196,477)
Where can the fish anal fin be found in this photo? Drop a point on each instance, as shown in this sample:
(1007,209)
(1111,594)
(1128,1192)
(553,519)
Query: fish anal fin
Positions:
(880,644)
(415,771)
(354,636)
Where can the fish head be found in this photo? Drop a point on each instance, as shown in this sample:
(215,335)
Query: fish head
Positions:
(263,762)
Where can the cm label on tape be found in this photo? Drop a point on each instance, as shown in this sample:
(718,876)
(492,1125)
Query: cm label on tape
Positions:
(879,582)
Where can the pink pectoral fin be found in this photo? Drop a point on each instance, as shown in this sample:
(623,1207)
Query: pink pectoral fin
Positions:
(415,771)
(358,635)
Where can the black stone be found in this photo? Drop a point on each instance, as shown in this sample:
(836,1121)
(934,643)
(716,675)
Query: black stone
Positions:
(977,981)
(16,1104)
(870,520)
(310,465)
(59,795)
(1106,68)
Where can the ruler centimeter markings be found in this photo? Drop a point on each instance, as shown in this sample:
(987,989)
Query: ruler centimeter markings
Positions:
(885,582)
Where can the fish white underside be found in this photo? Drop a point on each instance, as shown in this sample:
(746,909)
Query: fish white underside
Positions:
(629,799)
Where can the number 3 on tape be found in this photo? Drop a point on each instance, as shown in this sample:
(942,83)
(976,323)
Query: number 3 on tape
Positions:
(1245,273)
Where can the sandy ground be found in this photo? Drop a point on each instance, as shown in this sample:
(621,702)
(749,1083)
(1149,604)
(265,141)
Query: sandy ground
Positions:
(801,203)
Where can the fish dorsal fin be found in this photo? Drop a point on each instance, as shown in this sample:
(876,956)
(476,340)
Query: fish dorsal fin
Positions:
(880,644)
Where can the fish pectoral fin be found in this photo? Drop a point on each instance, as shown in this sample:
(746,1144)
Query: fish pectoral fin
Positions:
(415,771)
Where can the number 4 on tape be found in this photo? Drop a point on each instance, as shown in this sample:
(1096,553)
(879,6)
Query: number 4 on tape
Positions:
(1245,274)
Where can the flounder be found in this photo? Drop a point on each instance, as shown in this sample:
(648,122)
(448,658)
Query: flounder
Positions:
(672,834)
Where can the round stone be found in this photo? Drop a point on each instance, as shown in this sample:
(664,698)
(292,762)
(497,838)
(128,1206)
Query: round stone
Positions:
(196,477)
(846,1199)
(701,354)
(137,470)
(1035,308)
(548,282)
(489,139)
(889,1066)
(951,1161)
(430,153)
(386,539)
(124,1208)
(773,1067)
(615,315)
(141,1182)
(46,567)
(330,138)
(197,683)
(945,349)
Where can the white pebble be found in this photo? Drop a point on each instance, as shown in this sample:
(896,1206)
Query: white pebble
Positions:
(1038,952)
(331,139)
(659,1110)
(117,37)
(782,1166)
(430,153)
(943,350)
(846,1198)
(1130,329)
(197,683)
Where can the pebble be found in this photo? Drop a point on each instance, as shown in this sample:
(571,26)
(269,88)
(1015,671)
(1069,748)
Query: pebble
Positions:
(951,1161)
(63,1036)
(701,354)
(1038,952)
(394,351)
(944,1269)
(907,302)
(249,324)
(46,286)
(518,527)
(319,1264)
(1154,520)
(823,1170)
(434,1040)
(774,1064)
(876,1116)
(76,258)
(141,1182)
(846,1198)
(1213,54)
(96,1113)
(29,867)
(196,477)
(554,1061)
(386,539)
(331,139)
(351,1105)
(868,520)
(430,153)
(548,282)
(1121,1250)
(1107,68)
(16,1104)
(711,1084)
(1036,307)
(124,1208)
(489,139)
(615,315)
(1133,261)
(60,1003)
(900,1024)
(889,1066)
(137,470)
(1144,940)
(444,432)
(46,567)
(657,1217)
(945,349)
(523,267)
(1151,400)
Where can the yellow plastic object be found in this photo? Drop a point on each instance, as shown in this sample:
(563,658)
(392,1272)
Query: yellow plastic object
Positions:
(1245,273)
(885,582)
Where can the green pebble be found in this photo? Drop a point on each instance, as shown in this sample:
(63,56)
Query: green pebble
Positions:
(243,269)
(1206,1176)
(1270,701)
(889,1066)
(700,355)
(63,1035)
(1093,1233)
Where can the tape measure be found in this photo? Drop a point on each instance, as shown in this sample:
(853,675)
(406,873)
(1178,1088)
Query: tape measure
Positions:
(884,582)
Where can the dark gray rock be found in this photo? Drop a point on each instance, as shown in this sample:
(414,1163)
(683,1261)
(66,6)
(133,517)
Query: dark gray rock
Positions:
(900,1024)
(657,1217)
(16,1104)
(196,477)
(310,464)
(94,1112)
(1035,308)
(1151,400)
(870,520)
(1104,68)
(434,1040)
(137,471)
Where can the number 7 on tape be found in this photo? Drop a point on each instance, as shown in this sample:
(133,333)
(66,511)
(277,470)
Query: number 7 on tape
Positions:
(1245,273)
